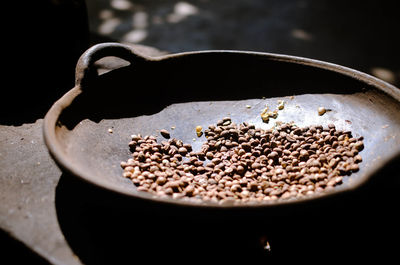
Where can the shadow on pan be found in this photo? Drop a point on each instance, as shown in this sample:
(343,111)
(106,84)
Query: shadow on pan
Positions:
(107,228)
(17,252)
(148,87)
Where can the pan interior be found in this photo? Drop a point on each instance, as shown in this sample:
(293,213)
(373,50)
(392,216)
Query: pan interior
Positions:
(200,89)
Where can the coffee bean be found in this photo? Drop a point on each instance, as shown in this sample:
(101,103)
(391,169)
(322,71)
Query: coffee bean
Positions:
(357,159)
(225,119)
(359,146)
(273,155)
(142,188)
(246,147)
(290,138)
(354,168)
(188,147)
(253,186)
(255,166)
(182,151)
(189,190)
(303,155)
(165,133)
(236,188)
(209,155)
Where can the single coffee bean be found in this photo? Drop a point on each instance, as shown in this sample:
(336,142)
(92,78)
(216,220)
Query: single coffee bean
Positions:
(246,147)
(209,155)
(182,151)
(273,155)
(165,133)
(359,146)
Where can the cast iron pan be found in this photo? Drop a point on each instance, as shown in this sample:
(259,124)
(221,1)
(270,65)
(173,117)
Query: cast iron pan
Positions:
(199,88)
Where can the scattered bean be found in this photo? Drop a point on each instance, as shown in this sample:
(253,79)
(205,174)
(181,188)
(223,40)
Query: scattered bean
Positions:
(321,111)
(165,133)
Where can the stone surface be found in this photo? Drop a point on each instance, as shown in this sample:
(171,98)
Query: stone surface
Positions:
(27,191)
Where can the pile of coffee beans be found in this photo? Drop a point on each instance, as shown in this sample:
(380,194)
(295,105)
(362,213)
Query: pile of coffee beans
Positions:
(241,163)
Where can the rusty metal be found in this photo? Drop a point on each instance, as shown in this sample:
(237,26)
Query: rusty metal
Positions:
(198,88)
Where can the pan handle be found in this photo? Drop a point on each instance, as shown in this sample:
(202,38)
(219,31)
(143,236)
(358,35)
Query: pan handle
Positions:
(84,69)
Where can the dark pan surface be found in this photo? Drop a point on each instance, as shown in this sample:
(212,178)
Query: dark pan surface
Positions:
(186,90)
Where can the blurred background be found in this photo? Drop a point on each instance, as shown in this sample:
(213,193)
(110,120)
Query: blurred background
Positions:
(359,34)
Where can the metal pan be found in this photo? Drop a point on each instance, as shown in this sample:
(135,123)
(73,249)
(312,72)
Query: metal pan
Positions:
(199,88)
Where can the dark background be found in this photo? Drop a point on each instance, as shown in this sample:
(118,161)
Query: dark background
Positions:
(52,34)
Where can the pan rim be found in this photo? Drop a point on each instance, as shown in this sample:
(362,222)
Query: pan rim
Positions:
(61,159)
